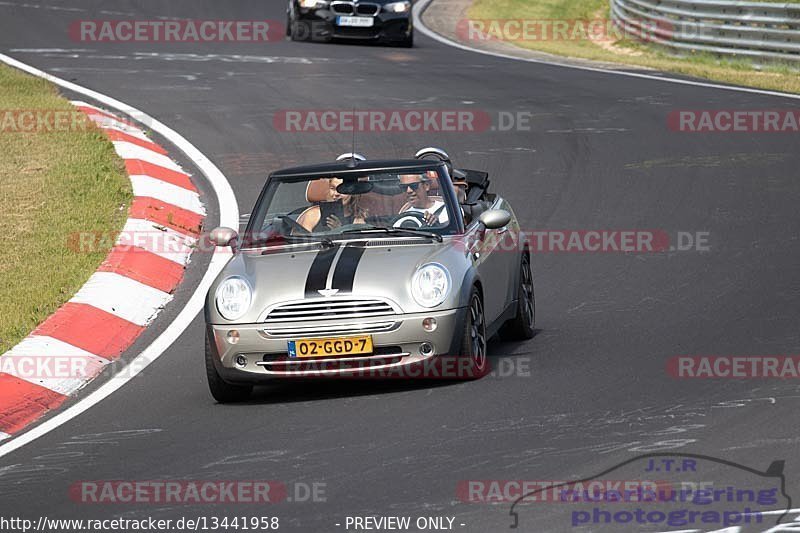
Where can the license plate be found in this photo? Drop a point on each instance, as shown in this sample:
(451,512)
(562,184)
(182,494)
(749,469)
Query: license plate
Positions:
(361,22)
(330,347)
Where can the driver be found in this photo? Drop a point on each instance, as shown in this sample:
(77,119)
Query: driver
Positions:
(417,187)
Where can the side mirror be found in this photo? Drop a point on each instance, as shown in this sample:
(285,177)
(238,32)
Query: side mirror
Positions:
(495,218)
(224,237)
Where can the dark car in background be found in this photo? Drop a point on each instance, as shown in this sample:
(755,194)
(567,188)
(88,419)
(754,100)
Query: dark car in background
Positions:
(386,21)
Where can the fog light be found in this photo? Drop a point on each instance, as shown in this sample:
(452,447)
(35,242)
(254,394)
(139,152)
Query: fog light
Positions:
(233,336)
(241,361)
(426,349)
(429,324)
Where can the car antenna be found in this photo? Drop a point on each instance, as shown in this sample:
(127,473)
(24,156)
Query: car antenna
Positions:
(352,163)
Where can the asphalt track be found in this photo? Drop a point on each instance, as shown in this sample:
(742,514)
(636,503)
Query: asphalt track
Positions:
(598,156)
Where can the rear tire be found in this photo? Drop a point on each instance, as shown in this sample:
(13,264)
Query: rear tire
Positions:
(221,390)
(473,341)
(522,326)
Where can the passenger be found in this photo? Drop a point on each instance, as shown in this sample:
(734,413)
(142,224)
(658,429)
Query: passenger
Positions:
(325,190)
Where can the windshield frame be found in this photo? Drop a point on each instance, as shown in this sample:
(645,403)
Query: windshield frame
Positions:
(446,190)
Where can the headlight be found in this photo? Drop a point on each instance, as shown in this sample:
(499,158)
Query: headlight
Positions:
(308,3)
(398,7)
(233,298)
(430,285)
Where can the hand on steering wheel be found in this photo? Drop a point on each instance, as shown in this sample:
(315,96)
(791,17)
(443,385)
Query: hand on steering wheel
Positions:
(415,219)
(427,218)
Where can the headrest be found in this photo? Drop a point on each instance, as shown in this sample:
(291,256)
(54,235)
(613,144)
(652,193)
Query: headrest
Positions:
(317,190)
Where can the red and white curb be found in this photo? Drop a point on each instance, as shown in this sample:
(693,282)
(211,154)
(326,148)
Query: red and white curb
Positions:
(136,281)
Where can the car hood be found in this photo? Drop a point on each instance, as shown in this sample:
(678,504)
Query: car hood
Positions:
(378,268)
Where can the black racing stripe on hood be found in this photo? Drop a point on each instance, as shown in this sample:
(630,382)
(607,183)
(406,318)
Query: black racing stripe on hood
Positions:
(346,267)
(318,273)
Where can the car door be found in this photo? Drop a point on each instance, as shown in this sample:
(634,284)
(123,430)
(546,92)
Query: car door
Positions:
(509,248)
(489,253)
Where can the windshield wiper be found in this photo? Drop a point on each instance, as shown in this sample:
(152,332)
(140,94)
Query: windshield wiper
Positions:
(401,231)
(283,240)
(324,241)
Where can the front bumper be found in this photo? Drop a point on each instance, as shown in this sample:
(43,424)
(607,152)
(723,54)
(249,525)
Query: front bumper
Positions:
(396,348)
(320,25)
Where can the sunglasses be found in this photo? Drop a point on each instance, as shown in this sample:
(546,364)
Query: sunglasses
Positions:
(414,185)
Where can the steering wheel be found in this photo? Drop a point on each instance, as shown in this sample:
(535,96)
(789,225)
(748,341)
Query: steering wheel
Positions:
(409,219)
(414,219)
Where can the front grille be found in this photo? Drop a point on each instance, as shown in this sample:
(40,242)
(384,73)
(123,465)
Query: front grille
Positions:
(325,316)
(347,8)
(368,10)
(328,309)
(334,329)
(341,8)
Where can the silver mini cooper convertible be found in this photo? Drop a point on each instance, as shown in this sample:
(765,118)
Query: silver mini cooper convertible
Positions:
(368,269)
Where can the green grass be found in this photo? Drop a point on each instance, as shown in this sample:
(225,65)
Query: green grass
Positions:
(628,51)
(53,185)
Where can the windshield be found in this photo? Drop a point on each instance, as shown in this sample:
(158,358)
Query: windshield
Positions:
(361,205)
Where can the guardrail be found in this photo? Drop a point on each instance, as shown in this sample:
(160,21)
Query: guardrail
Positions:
(754,30)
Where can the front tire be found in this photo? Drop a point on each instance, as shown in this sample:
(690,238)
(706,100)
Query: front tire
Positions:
(408,42)
(522,326)
(300,30)
(473,341)
(221,390)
